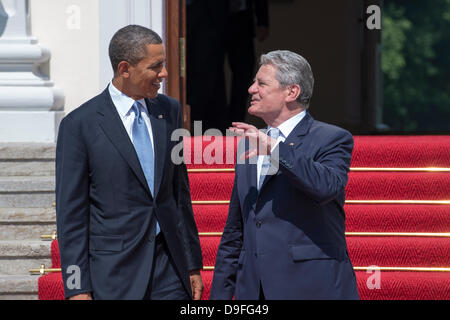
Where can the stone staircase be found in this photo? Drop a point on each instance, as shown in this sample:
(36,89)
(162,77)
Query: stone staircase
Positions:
(27,186)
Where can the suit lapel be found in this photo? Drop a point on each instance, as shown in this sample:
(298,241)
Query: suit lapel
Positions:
(295,139)
(113,127)
(157,119)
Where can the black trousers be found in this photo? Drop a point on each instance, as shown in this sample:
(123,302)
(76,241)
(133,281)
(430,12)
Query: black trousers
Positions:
(165,283)
(205,54)
(240,51)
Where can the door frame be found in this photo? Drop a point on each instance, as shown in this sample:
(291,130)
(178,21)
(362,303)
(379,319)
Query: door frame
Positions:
(175,39)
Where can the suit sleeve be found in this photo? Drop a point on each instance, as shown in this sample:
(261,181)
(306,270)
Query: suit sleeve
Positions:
(72,209)
(187,223)
(323,176)
(225,270)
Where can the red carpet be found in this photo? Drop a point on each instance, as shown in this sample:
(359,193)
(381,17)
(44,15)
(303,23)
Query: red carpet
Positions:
(401,151)
(401,256)
(361,185)
(369,151)
(406,285)
(380,251)
(364,251)
(359,218)
(397,218)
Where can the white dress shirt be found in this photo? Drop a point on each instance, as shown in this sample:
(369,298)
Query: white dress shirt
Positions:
(123,104)
(285,129)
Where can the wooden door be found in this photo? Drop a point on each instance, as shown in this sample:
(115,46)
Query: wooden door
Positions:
(176,54)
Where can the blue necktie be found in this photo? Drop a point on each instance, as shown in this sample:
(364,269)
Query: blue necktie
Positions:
(144,149)
(274,133)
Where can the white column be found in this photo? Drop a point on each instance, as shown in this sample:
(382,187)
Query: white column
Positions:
(30,105)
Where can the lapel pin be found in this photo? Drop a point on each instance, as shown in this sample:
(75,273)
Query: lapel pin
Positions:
(160,116)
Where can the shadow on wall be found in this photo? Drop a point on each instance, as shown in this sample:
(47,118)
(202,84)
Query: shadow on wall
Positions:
(3,19)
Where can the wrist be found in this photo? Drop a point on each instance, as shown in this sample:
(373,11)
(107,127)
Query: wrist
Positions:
(194,272)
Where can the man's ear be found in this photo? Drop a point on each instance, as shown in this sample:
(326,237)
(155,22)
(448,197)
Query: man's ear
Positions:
(293,93)
(123,69)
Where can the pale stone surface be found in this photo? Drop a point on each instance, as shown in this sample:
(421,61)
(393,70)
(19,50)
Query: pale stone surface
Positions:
(27,200)
(31,108)
(22,266)
(26,125)
(22,86)
(18,284)
(26,223)
(26,215)
(27,184)
(10,231)
(22,151)
(17,14)
(21,248)
(27,168)
(13,296)
(18,257)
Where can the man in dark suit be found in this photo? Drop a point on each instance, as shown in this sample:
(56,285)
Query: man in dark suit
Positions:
(206,26)
(285,233)
(240,49)
(124,214)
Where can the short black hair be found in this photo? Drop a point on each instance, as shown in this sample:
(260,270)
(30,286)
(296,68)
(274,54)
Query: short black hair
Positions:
(130,44)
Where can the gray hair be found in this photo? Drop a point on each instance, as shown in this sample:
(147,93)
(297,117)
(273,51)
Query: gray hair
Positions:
(130,44)
(291,68)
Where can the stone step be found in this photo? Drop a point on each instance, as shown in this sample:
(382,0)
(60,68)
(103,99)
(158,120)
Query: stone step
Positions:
(21,266)
(27,199)
(27,215)
(27,184)
(26,223)
(28,151)
(17,257)
(27,168)
(30,192)
(25,231)
(24,249)
(9,231)
(19,287)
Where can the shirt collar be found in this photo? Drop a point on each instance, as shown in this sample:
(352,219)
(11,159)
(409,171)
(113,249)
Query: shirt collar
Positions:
(123,102)
(287,126)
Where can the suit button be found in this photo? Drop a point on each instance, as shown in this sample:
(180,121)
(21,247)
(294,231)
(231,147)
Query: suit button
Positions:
(151,238)
(258,224)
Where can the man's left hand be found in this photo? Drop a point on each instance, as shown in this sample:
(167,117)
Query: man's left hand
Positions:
(196,284)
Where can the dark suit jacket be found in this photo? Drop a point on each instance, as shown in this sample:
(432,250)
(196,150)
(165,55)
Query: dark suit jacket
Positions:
(105,211)
(290,237)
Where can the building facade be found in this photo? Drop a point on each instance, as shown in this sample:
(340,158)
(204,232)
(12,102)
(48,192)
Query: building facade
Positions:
(54,57)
